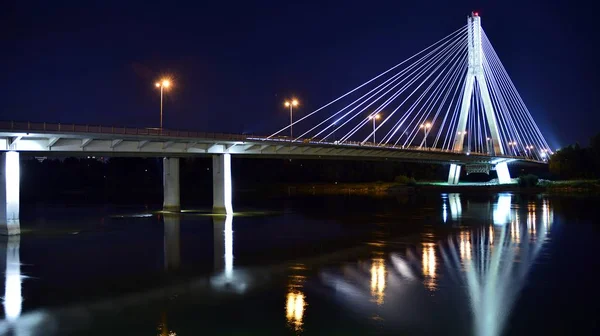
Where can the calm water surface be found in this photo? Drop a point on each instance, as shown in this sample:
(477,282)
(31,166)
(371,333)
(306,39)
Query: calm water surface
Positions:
(432,264)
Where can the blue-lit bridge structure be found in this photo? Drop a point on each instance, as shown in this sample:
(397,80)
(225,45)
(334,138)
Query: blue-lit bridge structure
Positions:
(452,103)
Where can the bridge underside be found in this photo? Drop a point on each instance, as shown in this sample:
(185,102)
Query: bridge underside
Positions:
(14,143)
(501,168)
(77,144)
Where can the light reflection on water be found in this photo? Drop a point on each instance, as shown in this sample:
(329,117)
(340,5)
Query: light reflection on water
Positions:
(490,261)
(295,298)
(163,328)
(429,265)
(378,280)
(13,300)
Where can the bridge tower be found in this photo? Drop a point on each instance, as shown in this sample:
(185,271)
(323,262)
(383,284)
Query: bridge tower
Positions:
(475,78)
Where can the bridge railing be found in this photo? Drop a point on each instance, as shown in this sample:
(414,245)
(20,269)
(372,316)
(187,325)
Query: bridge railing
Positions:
(116,130)
(43,127)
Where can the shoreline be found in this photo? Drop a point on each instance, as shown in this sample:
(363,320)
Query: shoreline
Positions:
(392,188)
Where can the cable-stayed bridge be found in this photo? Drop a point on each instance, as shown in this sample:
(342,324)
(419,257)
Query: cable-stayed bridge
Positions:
(454,95)
(451,103)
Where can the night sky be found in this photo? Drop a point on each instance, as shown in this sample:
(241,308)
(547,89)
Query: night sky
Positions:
(235,62)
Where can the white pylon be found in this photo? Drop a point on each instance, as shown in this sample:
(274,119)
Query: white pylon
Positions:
(475,72)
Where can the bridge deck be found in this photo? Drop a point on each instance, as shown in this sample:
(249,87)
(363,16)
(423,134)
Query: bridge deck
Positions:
(79,140)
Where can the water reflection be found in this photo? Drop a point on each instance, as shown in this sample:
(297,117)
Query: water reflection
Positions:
(295,305)
(13,300)
(454,204)
(378,280)
(163,329)
(429,265)
(226,277)
(501,213)
(223,244)
(496,265)
(465,245)
(490,260)
(171,241)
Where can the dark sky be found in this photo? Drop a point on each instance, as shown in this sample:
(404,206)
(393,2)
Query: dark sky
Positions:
(234,62)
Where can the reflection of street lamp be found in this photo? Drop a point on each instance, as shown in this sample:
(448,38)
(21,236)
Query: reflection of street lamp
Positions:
(291,105)
(429,265)
(374,117)
(295,299)
(425,127)
(164,83)
(378,280)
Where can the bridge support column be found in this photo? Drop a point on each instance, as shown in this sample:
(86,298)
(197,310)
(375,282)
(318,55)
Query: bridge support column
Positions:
(171,184)
(503,173)
(222,184)
(454,175)
(9,193)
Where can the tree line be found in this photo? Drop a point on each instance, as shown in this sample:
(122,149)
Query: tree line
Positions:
(577,162)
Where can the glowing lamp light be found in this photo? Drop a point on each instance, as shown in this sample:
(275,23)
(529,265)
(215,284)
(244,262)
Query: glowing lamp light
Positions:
(163,83)
(293,102)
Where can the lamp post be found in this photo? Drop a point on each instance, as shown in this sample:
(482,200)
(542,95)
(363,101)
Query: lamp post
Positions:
(489,148)
(513,144)
(291,104)
(425,127)
(374,117)
(463,134)
(164,83)
(529,148)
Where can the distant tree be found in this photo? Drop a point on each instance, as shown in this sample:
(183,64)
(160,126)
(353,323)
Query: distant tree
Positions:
(576,162)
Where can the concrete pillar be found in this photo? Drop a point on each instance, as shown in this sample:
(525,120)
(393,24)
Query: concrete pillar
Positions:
(9,255)
(171,184)
(454,175)
(503,173)
(9,193)
(222,184)
(171,245)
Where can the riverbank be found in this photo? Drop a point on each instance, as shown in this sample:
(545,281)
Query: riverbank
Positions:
(385,188)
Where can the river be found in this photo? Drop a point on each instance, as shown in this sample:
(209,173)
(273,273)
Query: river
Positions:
(424,264)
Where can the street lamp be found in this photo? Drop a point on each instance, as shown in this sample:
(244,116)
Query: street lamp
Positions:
(374,117)
(291,104)
(489,149)
(513,144)
(425,127)
(529,148)
(162,84)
